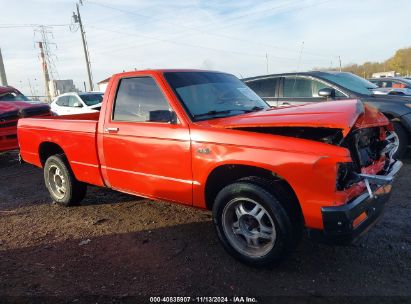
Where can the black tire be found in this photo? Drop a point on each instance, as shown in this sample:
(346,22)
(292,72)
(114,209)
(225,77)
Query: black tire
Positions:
(74,191)
(284,197)
(270,254)
(403,140)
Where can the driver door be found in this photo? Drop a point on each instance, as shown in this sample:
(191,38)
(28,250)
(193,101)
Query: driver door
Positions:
(143,154)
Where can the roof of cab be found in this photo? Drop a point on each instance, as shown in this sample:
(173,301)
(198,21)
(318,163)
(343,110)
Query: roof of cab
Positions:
(161,71)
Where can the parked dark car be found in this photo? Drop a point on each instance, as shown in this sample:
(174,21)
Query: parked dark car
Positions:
(393,85)
(301,88)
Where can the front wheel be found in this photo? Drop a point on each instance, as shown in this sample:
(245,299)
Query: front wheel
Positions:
(402,139)
(61,183)
(252,224)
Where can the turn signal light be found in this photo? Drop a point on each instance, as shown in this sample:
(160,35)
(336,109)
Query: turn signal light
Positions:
(361,218)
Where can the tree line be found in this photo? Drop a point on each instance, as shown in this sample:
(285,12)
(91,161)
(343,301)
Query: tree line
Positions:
(400,63)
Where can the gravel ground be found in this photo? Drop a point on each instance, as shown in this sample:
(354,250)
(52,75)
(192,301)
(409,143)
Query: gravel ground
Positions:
(118,245)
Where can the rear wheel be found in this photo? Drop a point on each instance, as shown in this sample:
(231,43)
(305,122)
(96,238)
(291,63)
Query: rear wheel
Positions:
(61,183)
(252,225)
(403,140)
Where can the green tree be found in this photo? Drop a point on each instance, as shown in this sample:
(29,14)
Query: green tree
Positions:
(400,63)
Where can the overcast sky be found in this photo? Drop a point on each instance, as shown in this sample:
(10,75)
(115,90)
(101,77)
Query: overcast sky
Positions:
(231,36)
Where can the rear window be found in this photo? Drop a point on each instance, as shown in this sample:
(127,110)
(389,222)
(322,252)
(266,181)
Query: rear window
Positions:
(63,101)
(13,96)
(139,99)
(264,87)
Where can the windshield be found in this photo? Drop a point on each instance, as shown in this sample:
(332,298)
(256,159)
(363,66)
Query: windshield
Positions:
(210,94)
(92,99)
(351,82)
(13,96)
(406,80)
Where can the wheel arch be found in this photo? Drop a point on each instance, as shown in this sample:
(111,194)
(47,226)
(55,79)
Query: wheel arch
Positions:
(225,174)
(47,149)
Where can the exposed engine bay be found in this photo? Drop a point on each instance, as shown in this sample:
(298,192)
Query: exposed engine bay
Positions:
(366,146)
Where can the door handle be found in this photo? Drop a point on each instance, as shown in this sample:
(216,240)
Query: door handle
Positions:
(111,130)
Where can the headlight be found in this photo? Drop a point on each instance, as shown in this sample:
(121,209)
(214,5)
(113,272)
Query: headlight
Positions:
(346,175)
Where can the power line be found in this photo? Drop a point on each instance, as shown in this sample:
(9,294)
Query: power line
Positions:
(219,28)
(187,44)
(262,55)
(30,25)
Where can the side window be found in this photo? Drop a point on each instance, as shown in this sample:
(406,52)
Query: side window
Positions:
(63,101)
(398,85)
(297,87)
(305,88)
(264,87)
(385,84)
(74,102)
(318,85)
(139,99)
(59,101)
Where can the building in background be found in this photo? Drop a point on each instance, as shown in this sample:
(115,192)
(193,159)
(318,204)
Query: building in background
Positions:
(384,74)
(102,85)
(58,87)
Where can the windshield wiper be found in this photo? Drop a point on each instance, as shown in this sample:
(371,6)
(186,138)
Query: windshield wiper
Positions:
(254,109)
(214,112)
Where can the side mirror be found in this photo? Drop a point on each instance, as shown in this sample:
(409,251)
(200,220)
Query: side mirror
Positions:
(77,105)
(327,92)
(163,116)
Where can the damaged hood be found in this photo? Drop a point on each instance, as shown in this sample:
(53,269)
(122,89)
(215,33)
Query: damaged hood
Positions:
(342,114)
(7,107)
(23,104)
(27,108)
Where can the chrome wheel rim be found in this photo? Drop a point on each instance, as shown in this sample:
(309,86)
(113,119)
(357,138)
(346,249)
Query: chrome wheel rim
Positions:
(57,182)
(396,141)
(248,227)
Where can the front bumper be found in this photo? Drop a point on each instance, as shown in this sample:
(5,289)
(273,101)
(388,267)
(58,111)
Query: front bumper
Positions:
(8,139)
(343,224)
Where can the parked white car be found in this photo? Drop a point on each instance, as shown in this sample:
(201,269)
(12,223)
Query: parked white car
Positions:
(77,103)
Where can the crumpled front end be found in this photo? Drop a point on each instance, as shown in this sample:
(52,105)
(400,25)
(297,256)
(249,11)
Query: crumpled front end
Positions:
(363,186)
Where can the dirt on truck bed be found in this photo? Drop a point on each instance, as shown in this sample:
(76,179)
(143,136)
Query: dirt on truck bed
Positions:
(118,245)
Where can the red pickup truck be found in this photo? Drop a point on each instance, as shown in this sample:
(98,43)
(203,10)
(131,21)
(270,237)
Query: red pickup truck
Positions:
(204,139)
(13,105)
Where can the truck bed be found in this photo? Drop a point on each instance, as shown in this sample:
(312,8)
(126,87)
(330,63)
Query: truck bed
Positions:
(73,133)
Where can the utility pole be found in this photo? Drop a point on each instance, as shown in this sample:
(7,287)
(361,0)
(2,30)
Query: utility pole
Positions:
(45,70)
(77,19)
(266,59)
(3,78)
(339,59)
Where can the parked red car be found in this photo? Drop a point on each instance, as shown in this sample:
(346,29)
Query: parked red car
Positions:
(13,105)
(206,140)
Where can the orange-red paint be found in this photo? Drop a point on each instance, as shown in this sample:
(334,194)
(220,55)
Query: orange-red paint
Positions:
(161,160)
